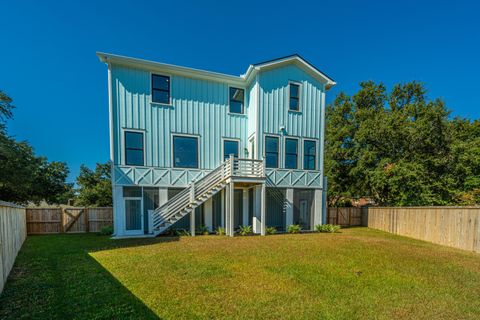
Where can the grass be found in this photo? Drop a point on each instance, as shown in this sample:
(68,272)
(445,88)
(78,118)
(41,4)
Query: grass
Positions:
(356,274)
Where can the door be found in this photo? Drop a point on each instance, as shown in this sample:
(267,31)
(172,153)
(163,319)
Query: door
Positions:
(303,215)
(238,208)
(303,208)
(133,215)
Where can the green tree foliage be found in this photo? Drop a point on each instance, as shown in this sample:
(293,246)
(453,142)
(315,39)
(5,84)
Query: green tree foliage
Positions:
(400,148)
(24,176)
(95,186)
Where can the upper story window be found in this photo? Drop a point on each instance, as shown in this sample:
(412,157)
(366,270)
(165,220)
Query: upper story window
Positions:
(291,153)
(230,147)
(185,152)
(134,148)
(309,154)
(294,102)
(236,100)
(271,152)
(160,89)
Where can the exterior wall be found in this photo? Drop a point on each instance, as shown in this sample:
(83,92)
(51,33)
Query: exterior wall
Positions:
(199,107)
(274,102)
(306,124)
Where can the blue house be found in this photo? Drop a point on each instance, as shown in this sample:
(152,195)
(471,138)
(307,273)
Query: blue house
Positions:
(191,147)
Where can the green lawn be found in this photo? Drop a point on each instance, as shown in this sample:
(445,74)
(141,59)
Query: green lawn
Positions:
(356,274)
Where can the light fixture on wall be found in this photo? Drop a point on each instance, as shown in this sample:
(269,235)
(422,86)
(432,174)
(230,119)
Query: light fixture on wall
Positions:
(283,129)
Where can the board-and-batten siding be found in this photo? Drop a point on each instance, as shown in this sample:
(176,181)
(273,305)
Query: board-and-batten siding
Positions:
(199,107)
(274,100)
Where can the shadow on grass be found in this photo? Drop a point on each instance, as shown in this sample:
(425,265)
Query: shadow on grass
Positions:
(55,277)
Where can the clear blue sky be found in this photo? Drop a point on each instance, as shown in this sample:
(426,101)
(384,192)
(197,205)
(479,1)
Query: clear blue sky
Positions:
(48,63)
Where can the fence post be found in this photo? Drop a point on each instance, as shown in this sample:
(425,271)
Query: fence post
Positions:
(62,220)
(87,219)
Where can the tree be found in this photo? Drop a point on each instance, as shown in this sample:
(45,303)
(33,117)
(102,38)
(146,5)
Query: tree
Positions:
(6,107)
(95,187)
(24,176)
(400,148)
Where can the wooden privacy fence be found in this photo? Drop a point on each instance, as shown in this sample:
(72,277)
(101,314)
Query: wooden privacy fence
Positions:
(13,232)
(350,216)
(457,227)
(67,220)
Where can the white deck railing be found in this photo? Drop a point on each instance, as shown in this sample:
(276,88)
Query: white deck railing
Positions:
(199,191)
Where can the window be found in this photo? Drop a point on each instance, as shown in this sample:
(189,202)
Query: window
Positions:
(291,153)
(271,152)
(134,148)
(185,152)
(236,100)
(309,154)
(160,89)
(294,97)
(230,147)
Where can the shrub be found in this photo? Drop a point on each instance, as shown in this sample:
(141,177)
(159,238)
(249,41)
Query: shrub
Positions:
(203,230)
(244,230)
(271,230)
(294,228)
(331,228)
(107,231)
(220,231)
(183,233)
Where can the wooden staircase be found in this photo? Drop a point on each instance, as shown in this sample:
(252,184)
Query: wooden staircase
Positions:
(200,191)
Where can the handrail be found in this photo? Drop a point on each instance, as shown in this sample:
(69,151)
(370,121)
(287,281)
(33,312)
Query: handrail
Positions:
(229,168)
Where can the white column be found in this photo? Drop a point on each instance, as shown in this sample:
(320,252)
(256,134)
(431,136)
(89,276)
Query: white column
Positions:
(245,221)
(118,211)
(263,213)
(222,208)
(324,200)
(289,203)
(208,212)
(318,208)
(192,214)
(257,209)
(227,209)
(231,209)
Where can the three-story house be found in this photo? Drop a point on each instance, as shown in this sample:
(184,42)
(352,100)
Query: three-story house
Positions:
(190,147)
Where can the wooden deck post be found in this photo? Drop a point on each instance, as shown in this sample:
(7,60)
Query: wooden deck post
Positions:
(192,214)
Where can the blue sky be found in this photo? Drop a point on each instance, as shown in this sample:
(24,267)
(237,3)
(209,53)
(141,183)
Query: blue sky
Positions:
(48,63)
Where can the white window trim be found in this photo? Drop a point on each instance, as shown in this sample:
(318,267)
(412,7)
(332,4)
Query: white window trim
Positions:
(316,153)
(244,100)
(169,104)
(279,137)
(124,149)
(173,135)
(223,147)
(299,84)
(285,151)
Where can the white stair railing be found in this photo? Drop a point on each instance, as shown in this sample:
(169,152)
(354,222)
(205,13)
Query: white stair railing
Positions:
(199,191)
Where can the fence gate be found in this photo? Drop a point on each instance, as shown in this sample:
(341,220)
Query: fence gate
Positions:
(67,220)
(75,220)
(350,216)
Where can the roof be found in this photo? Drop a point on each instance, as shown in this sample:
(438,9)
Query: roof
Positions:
(209,75)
